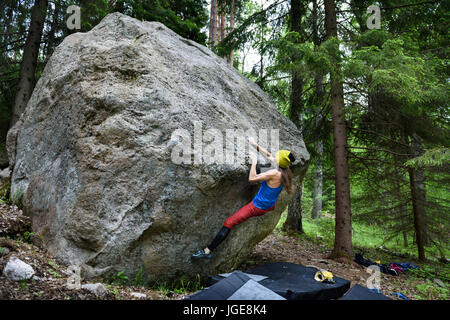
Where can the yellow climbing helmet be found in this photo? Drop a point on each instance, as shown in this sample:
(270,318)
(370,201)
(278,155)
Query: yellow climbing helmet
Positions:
(283,158)
(324,276)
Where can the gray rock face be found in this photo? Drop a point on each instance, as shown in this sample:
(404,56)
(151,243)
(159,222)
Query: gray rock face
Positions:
(95,288)
(5,174)
(17,270)
(138,295)
(93,153)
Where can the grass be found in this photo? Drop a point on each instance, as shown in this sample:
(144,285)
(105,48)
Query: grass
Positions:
(5,192)
(429,290)
(52,271)
(24,285)
(139,280)
(114,291)
(431,281)
(366,238)
(179,286)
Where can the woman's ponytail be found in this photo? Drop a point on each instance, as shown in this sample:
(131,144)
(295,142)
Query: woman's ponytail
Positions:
(286,178)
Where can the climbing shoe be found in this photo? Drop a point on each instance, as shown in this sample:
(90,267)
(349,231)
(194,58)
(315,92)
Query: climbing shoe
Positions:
(201,254)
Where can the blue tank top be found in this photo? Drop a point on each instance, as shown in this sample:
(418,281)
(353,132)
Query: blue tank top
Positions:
(267,196)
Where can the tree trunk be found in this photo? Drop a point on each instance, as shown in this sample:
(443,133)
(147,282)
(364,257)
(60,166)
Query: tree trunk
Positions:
(420,184)
(293,223)
(417,216)
(230,56)
(29,60)
(318,161)
(294,216)
(223,22)
(213,23)
(296,13)
(219,28)
(243,61)
(315,20)
(211,14)
(216,22)
(318,179)
(343,228)
(51,33)
(405,237)
(296,98)
(402,211)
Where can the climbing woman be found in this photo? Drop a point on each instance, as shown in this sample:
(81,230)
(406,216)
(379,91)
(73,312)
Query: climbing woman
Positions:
(272,182)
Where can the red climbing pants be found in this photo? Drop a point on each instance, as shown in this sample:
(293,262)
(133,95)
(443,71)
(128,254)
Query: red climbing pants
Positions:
(244,213)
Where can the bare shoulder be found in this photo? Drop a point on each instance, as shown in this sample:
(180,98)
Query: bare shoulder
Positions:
(273,172)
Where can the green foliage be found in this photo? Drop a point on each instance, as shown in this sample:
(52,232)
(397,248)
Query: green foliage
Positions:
(304,57)
(431,273)
(92,12)
(161,287)
(27,237)
(397,94)
(430,290)
(139,280)
(24,285)
(395,66)
(120,278)
(431,281)
(182,285)
(114,291)
(53,270)
(54,273)
(435,157)
(319,230)
(5,192)
(326,228)
(186,17)
(52,263)
(38,293)
(367,237)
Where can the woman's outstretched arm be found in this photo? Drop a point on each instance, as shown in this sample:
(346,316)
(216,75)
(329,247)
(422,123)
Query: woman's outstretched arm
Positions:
(254,177)
(263,151)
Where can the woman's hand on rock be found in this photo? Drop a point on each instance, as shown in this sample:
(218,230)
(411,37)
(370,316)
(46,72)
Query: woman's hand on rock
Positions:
(252,141)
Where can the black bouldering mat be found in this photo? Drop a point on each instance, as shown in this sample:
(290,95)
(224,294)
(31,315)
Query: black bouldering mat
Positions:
(295,282)
(358,292)
(236,286)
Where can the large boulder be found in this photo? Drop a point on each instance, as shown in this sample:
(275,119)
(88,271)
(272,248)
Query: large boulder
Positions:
(95,155)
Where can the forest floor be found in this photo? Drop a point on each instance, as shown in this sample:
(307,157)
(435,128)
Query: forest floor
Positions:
(51,277)
(50,281)
(290,248)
